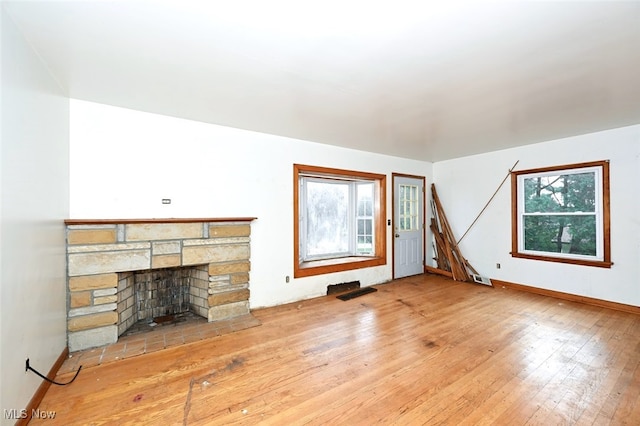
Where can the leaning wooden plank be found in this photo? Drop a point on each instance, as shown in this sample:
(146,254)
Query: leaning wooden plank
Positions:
(458,273)
(441,258)
(438,271)
(456,260)
(471,268)
(443,238)
(458,270)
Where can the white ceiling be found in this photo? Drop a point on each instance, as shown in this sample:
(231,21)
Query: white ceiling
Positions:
(429,80)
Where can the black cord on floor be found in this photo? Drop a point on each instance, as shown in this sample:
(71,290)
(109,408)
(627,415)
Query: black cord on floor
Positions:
(53,381)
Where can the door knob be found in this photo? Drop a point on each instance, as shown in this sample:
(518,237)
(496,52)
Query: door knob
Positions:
(397,235)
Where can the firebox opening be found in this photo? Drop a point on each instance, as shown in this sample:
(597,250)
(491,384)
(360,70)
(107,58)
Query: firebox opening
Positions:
(161,296)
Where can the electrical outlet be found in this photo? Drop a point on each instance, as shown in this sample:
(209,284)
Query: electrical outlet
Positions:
(166,201)
(286,279)
(497,266)
(26,365)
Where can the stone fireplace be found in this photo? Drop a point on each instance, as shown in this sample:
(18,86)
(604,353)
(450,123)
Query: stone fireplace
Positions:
(124,271)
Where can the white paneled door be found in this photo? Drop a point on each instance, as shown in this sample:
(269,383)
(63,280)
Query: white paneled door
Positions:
(408,226)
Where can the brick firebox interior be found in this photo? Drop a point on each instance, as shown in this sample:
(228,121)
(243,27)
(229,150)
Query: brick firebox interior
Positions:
(103,254)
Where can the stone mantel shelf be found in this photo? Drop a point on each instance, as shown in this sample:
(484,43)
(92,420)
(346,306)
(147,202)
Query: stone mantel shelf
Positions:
(156,220)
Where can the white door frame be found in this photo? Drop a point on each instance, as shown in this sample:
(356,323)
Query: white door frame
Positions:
(422,207)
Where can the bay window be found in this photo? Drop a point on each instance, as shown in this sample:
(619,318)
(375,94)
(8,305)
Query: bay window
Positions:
(339,220)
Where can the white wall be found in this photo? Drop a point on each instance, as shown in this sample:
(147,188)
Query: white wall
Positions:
(35,201)
(466,184)
(124,162)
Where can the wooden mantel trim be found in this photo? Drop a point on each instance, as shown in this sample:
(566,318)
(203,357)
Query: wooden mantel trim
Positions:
(156,220)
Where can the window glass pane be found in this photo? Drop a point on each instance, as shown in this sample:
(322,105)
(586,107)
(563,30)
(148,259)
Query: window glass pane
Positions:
(414,198)
(560,193)
(408,205)
(575,234)
(365,199)
(327,218)
(365,236)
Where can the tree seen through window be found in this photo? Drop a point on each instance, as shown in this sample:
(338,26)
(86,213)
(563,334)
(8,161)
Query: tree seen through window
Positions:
(546,226)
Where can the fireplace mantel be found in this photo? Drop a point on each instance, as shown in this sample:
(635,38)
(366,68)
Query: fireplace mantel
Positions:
(156,220)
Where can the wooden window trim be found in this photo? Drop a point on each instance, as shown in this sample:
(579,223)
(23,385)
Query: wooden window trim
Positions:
(606,225)
(325,266)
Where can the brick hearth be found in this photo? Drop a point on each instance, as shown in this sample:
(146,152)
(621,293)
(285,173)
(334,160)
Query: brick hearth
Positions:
(103,254)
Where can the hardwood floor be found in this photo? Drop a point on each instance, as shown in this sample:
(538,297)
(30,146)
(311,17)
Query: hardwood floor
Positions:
(421,350)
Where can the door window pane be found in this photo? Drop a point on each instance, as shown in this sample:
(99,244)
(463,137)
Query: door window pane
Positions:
(408,206)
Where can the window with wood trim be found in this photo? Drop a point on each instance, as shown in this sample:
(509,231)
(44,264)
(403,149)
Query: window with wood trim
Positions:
(561,214)
(338,220)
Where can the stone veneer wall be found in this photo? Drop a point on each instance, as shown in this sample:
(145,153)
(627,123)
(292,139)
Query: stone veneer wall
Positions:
(99,251)
(126,301)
